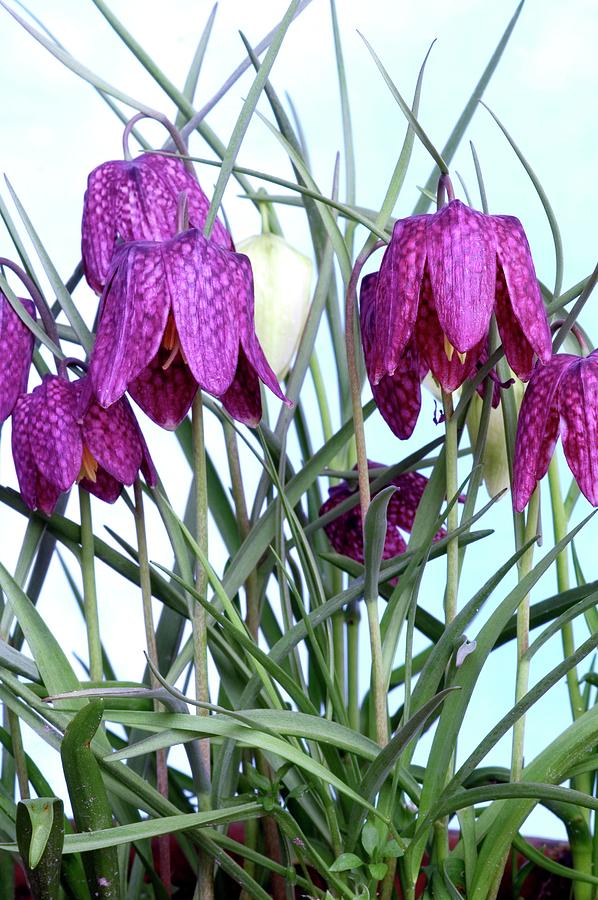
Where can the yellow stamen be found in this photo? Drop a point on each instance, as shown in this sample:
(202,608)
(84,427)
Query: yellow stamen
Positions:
(448,348)
(461,356)
(89,466)
(171,341)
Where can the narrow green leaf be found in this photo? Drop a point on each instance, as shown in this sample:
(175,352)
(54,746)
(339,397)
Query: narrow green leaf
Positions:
(448,151)
(195,67)
(64,298)
(245,115)
(47,652)
(405,109)
(374,536)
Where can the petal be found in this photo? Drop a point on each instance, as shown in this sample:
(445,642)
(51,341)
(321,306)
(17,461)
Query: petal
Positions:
(134,312)
(403,504)
(397,295)
(16,351)
(99,228)
(165,395)
(432,346)
(243,398)
(344,532)
(522,287)
(461,254)
(397,396)
(207,286)
(54,432)
(37,491)
(537,428)
(578,407)
(112,438)
(105,486)
(249,340)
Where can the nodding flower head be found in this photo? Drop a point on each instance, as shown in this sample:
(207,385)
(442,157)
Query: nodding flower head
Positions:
(175,315)
(59,438)
(441,278)
(561,398)
(345,532)
(137,200)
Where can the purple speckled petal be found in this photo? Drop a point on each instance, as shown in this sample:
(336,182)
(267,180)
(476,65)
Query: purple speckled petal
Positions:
(537,428)
(207,285)
(243,398)
(135,309)
(111,436)
(346,535)
(55,434)
(398,291)
(16,351)
(148,469)
(518,350)
(99,228)
(578,407)
(137,200)
(105,487)
(461,255)
(397,396)
(37,491)
(249,340)
(165,395)
(515,259)
(430,339)
(403,504)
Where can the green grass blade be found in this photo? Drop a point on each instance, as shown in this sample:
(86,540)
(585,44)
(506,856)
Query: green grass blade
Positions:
(196,64)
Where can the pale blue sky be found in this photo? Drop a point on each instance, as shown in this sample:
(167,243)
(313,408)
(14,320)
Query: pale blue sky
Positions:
(56,129)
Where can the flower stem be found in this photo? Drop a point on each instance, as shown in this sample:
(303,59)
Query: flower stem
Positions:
(18,754)
(452,486)
(378,690)
(198,616)
(152,652)
(90,599)
(204,889)
(522,677)
(352,618)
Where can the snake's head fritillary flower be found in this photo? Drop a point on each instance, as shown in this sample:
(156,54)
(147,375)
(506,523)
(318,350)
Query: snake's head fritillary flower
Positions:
(137,200)
(397,396)
(345,532)
(176,315)
(282,279)
(441,278)
(16,352)
(58,439)
(561,397)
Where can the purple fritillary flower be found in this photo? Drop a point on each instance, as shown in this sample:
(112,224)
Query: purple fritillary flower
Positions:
(16,352)
(137,200)
(345,533)
(441,278)
(398,396)
(561,397)
(58,438)
(176,315)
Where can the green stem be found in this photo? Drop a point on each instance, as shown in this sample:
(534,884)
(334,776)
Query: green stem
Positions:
(18,754)
(152,652)
(352,617)
(452,486)
(523,662)
(560,526)
(321,396)
(204,889)
(252,617)
(90,598)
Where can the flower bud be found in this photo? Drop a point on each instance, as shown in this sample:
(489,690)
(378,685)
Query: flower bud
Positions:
(282,282)
(495,464)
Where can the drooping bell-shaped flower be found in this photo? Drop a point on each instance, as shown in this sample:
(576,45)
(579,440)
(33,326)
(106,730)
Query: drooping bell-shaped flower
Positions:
(176,315)
(561,397)
(441,278)
(59,438)
(137,200)
(345,532)
(282,280)
(16,352)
